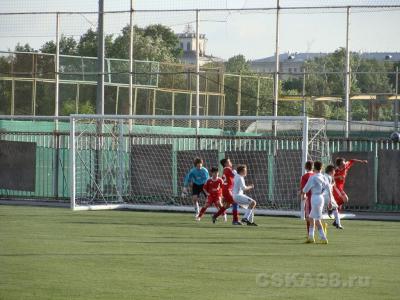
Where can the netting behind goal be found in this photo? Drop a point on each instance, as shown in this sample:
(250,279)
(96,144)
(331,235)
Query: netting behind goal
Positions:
(120,161)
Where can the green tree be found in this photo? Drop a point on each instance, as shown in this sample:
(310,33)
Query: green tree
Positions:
(237,64)
(87,45)
(68,46)
(23,48)
(150,46)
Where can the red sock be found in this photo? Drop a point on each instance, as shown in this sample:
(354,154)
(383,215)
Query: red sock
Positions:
(308,227)
(220,212)
(202,211)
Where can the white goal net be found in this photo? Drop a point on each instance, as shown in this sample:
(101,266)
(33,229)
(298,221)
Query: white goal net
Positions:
(141,161)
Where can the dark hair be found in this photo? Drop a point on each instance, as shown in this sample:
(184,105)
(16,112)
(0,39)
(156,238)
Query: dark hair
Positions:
(213,169)
(240,168)
(317,165)
(329,168)
(339,161)
(197,161)
(223,161)
(309,165)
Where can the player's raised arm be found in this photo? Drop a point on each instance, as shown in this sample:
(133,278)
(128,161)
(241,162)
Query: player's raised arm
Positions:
(362,161)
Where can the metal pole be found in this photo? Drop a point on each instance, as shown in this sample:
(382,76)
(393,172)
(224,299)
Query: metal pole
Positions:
(396,102)
(197,73)
(347,73)
(305,144)
(131,65)
(72,161)
(276,77)
(56,69)
(239,99)
(100,60)
(304,94)
(258,95)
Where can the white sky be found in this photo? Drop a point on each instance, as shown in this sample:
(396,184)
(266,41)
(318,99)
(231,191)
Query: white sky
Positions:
(228,33)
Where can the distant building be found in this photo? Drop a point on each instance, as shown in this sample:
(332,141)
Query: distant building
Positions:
(187,42)
(288,62)
(294,62)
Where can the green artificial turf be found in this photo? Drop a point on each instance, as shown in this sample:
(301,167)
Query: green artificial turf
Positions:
(54,253)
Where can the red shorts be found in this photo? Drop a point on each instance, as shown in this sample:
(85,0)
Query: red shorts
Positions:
(215,201)
(307,207)
(228,198)
(339,195)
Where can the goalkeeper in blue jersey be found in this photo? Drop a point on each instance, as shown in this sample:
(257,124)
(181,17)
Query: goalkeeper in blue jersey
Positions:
(198,176)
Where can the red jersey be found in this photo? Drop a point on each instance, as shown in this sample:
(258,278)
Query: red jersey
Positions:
(214,188)
(339,182)
(228,177)
(304,180)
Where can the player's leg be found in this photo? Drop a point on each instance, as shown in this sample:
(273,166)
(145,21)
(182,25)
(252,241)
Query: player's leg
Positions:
(250,205)
(228,202)
(220,208)
(317,204)
(222,205)
(203,210)
(235,206)
(310,238)
(196,192)
(340,198)
(307,210)
(235,214)
(195,199)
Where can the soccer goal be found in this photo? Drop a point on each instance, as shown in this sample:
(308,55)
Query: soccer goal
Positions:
(139,162)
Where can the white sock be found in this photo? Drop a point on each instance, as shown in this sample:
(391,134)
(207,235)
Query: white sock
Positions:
(337,217)
(311,232)
(197,208)
(321,233)
(247,214)
(225,217)
(251,217)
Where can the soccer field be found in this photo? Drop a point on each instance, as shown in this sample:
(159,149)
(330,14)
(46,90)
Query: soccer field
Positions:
(54,253)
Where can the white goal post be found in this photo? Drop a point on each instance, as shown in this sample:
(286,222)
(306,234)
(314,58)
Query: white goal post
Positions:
(139,162)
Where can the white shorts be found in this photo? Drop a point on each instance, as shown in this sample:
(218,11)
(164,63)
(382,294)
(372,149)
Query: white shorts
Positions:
(330,202)
(243,200)
(317,205)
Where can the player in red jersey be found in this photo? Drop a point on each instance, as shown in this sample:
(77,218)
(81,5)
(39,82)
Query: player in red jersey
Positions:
(213,189)
(228,177)
(342,167)
(306,198)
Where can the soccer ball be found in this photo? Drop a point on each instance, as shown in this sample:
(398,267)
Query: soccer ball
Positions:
(395,137)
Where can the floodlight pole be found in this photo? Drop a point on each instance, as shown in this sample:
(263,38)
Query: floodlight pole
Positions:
(100,60)
(276,77)
(347,74)
(396,102)
(131,64)
(56,69)
(197,74)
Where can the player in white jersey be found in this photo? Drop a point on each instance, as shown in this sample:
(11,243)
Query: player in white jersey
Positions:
(319,186)
(239,187)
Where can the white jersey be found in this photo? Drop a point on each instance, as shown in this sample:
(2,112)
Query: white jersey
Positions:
(238,185)
(318,184)
(329,198)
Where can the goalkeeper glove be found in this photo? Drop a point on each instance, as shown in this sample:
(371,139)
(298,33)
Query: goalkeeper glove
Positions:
(184,192)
